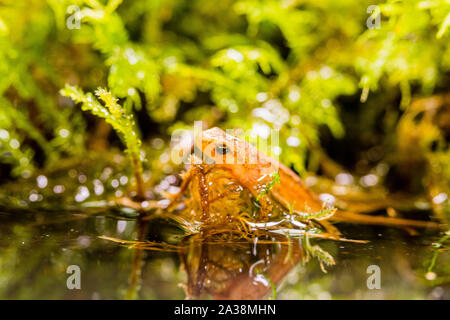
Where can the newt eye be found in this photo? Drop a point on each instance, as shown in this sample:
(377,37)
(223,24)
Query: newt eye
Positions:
(223,149)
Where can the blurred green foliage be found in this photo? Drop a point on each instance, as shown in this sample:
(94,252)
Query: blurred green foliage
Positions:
(281,64)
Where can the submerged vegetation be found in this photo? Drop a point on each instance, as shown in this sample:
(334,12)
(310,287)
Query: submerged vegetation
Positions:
(358,94)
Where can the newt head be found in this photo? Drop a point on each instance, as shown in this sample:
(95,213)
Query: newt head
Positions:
(218,147)
(251,167)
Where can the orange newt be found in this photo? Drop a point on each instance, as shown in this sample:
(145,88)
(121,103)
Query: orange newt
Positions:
(253,170)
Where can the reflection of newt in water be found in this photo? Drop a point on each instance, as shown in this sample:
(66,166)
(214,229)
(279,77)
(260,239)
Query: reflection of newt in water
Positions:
(242,270)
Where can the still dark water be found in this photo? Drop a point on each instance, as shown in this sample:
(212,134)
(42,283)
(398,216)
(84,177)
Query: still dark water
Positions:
(55,220)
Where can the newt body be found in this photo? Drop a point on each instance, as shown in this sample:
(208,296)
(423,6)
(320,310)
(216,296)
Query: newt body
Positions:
(253,170)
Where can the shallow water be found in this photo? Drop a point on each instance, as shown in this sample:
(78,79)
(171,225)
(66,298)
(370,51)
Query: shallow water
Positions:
(37,248)
(44,231)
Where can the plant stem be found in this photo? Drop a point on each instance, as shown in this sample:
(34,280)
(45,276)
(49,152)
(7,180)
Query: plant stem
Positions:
(137,168)
(135,278)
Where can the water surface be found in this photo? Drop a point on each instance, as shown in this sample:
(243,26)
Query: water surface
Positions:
(56,219)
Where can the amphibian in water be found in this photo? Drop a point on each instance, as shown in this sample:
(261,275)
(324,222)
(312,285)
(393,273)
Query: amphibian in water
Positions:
(233,173)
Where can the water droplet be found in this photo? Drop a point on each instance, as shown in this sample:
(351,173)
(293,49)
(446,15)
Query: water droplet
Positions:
(310,181)
(294,94)
(82,194)
(440,198)
(115,183)
(33,197)
(64,133)
(123,180)
(58,189)
(82,178)
(369,180)
(14,143)
(84,241)
(42,181)
(329,199)
(261,97)
(262,130)
(293,141)
(344,178)
(235,55)
(121,226)
(4,135)
(430,276)
(98,187)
